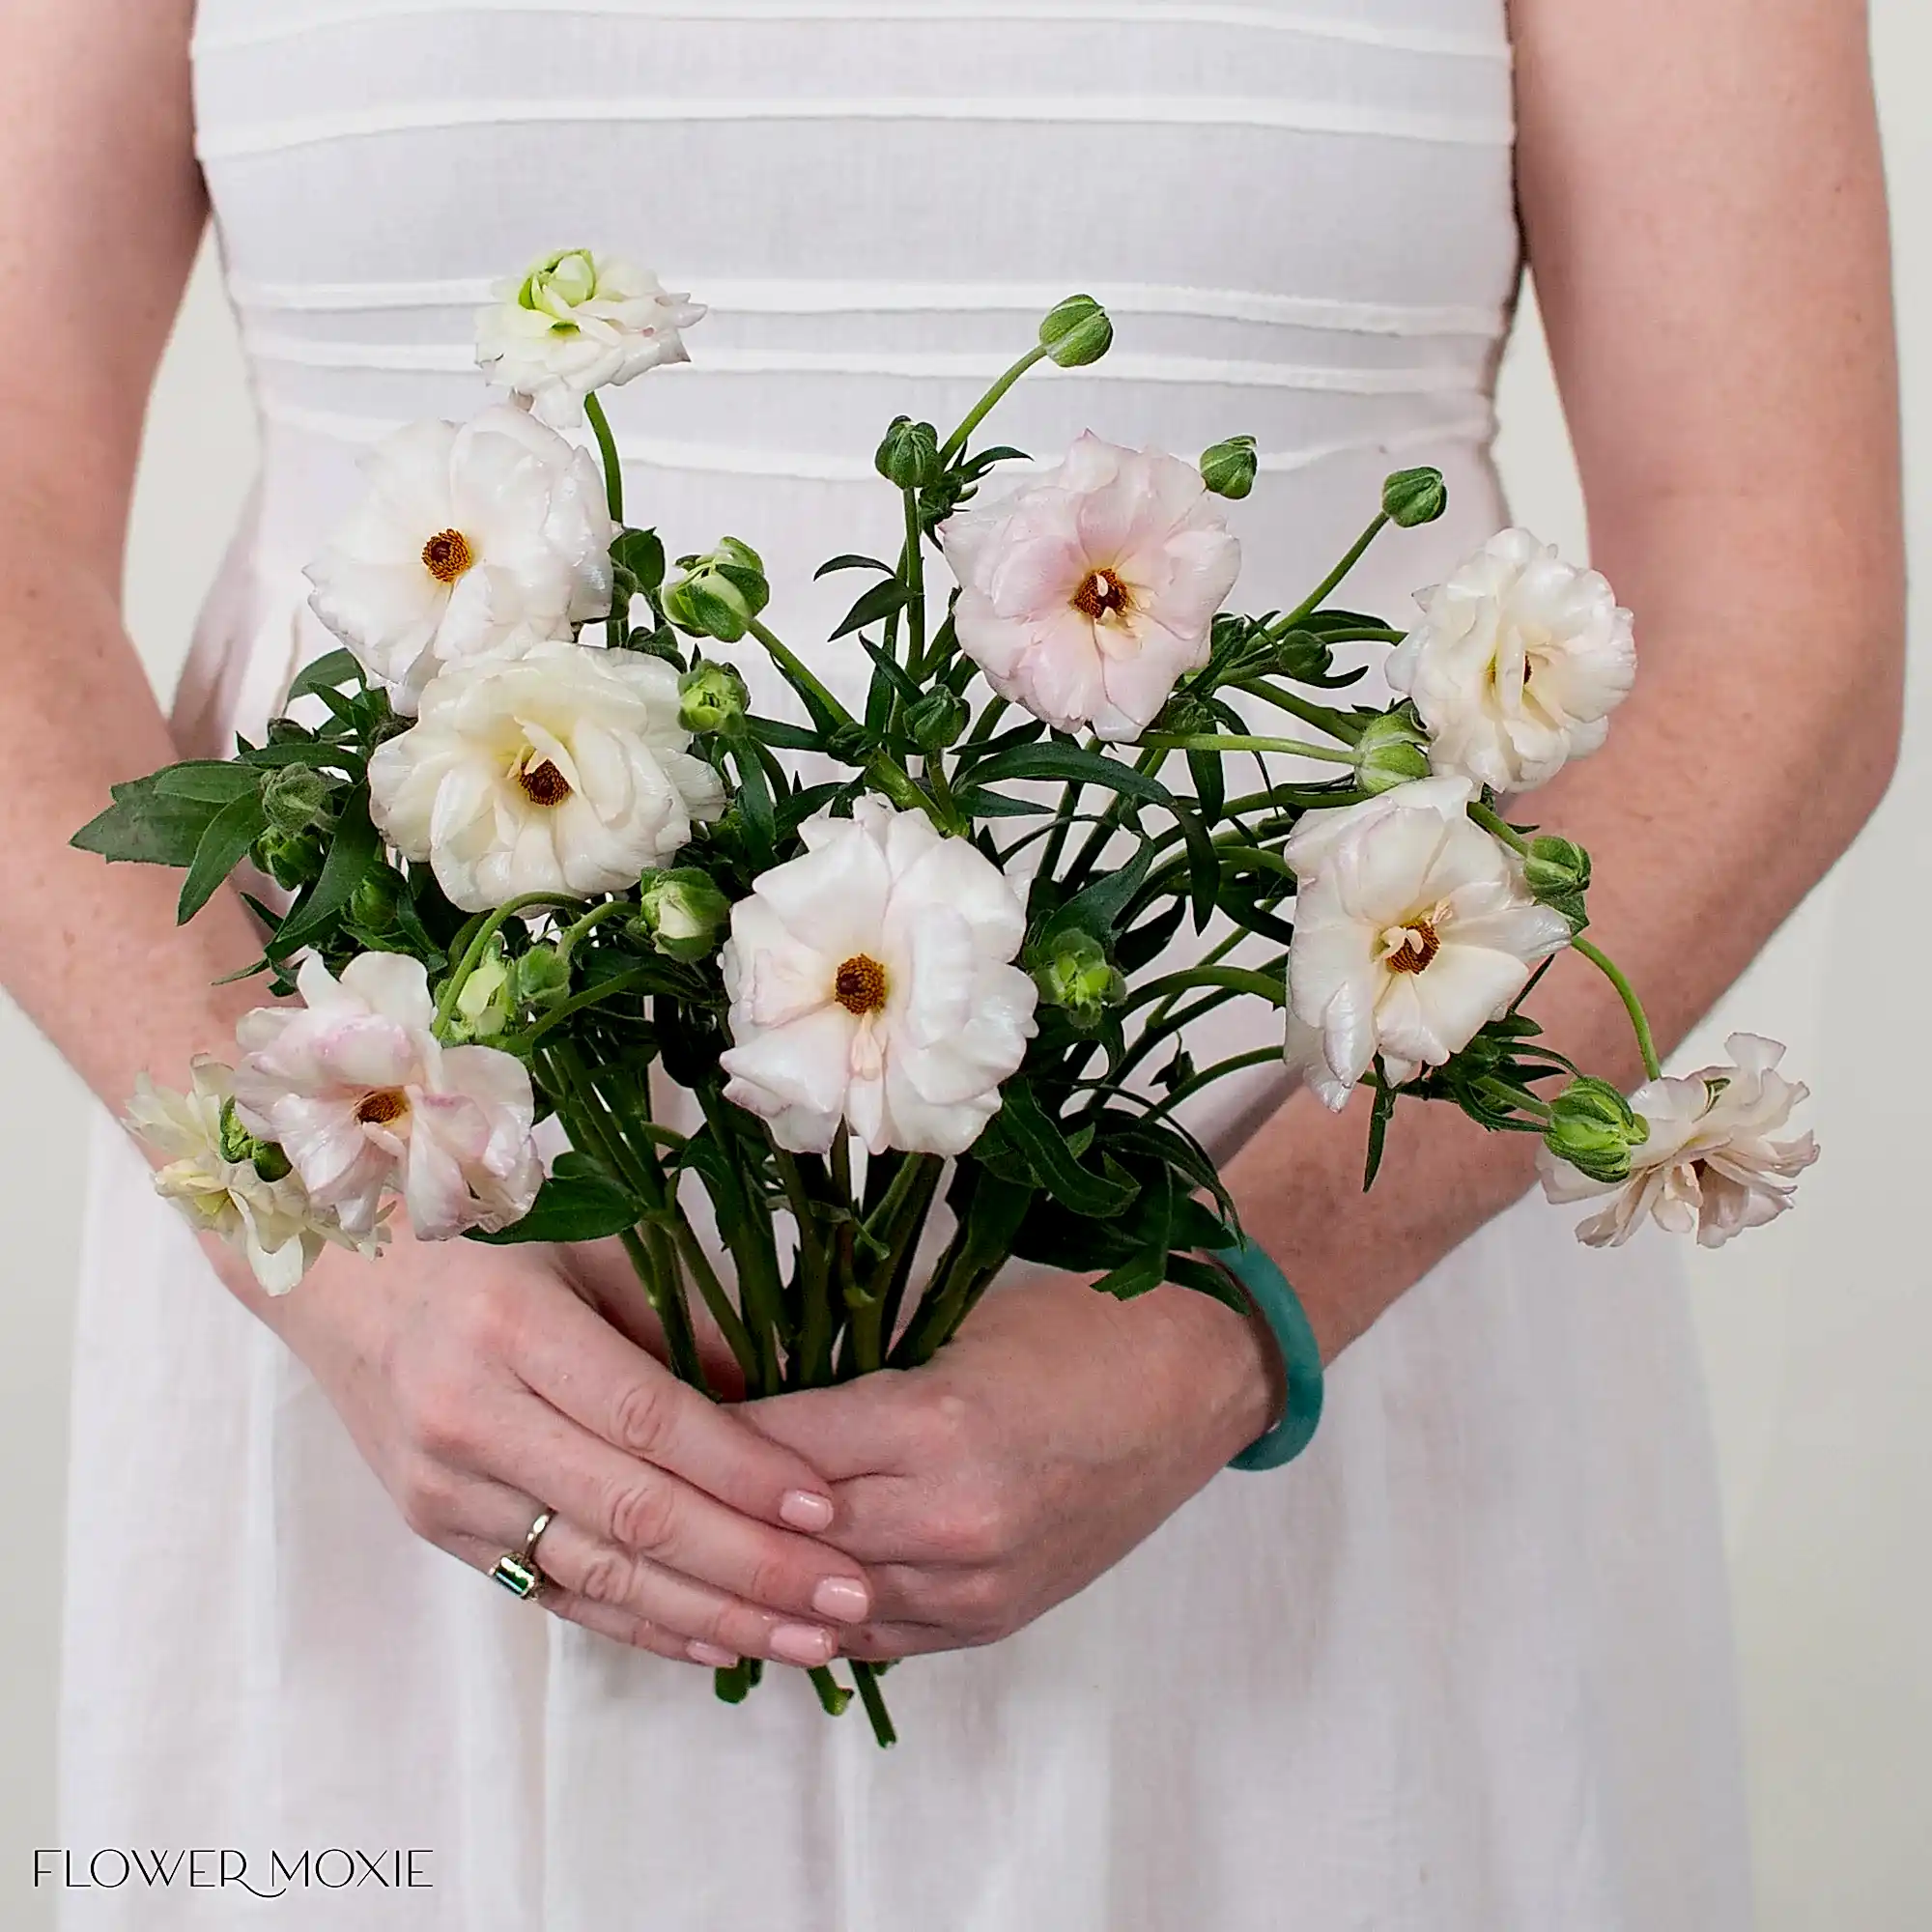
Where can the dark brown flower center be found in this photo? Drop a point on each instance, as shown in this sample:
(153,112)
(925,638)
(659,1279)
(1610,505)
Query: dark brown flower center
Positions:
(1101,595)
(448,555)
(859,984)
(1422,943)
(542,784)
(380,1108)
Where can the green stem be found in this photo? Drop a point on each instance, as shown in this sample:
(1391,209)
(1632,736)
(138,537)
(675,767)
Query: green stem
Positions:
(1312,601)
(1255,1057)
(1269,986)
(1211,741)
(912,573)
(669,1308)
(794,665)
(1491,821)
(594,918)
(472,956)
(981,410)
(606,447)
(1627,993)
(866,1677)
(833,1695)
(1321,716)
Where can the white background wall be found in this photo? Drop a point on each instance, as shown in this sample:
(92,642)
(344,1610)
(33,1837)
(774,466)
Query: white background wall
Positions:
(1818,1333)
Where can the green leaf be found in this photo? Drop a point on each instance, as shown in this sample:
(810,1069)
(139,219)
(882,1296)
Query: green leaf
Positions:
(146,827)
(1211,780)
(230,833)
(892,672)
(1204,864)
(324,674)
(212,781)
(976,802)
(1054,1162)
(642,554)
(1096,909)
(1378,1120)
(580,1202)
(873,607)
(1071,762)
(851,561)
(782,736)
(353,850)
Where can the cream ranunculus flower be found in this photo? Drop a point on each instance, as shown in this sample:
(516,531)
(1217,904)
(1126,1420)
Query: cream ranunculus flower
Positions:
(473,540)
(575,323)
(357,1090)
(563,771)
(219,1190)
(1516,665)
(1412,927)
(1710,1162)
(871,983)
(1087,592)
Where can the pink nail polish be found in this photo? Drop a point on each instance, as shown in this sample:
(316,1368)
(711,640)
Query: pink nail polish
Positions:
(801,1643)
(804,1509)
(843,1598)
(710,1654)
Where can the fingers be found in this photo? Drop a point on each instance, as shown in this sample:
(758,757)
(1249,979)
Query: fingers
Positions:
(581,1366)
(880,1424)
(639,1508)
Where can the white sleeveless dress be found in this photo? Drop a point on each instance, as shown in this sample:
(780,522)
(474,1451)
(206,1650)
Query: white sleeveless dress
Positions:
(1463,1669)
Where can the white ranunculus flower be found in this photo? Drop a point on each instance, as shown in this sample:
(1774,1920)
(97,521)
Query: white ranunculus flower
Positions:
(273,1223)
(364,1100)
(1516,665)
(564,770)
(1085,593)
(1412,927)
(576,322)
(1710,1163)
(473,540)
(871,983)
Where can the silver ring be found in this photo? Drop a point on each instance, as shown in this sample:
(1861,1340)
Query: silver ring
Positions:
(518,1570)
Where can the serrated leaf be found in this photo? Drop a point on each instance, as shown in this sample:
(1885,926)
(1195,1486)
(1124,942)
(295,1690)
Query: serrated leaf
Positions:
(212,781)
(225,843)
(144,827)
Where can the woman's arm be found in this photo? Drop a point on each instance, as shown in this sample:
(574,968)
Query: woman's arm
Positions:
(476,1383)
(1704,209)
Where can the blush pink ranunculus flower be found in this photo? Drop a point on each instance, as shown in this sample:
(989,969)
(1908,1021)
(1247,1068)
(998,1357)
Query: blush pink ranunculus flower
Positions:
(365,1100)
(1088,591)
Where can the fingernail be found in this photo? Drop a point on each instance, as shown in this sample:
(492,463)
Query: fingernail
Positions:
(709,1653)
(804,1509)
(843,1598)
(801,1643)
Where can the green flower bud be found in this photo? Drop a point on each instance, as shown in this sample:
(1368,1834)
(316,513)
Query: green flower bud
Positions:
(711,696)
(1556,870)
(937,719)
(540,978)
(909,455)
(295,797)
(484,1005)
(1390,753)
(1412,496)
(1592,1127)
(373,904)
(720,594)
(1076,331)
(292,858)
(238,1145)
(1077,975)
(1228,469)
(681,912)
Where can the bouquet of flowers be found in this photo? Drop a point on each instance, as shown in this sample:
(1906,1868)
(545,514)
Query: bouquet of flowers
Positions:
(533,855)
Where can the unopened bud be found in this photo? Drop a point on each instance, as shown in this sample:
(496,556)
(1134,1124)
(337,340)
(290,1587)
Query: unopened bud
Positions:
(1592,1127)
(239,1146)
(1228,469)
(1412,496)
(374,903)
(1076,331)
(1077,975)
(540,978)
(937,719)
(681,912)
(292,858)
(721,592)
(295,797)
(711,696)
(1390,753)
(484,1005)
(909,454)
(1555,868)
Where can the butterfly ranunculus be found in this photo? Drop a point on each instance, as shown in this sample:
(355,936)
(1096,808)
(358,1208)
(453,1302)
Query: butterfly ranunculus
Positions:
(872,986)
(1412,927)
(470,541)
(577,322)
(1709,1163)
(1088,591)
(363,1098)
(1516,665)
(564,770)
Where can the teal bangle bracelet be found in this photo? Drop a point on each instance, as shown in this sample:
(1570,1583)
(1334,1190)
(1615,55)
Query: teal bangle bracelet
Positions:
(1280,1309)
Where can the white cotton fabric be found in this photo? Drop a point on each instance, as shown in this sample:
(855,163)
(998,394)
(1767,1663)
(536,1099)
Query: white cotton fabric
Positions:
(1461,1668)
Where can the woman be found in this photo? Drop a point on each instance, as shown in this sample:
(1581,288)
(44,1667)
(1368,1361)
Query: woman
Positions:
(1465,1666)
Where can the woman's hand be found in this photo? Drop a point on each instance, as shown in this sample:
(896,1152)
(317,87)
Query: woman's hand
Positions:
(1055,1433)
(481,1388)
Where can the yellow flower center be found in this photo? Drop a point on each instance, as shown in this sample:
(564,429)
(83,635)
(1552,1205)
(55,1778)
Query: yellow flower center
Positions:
(859,984)
(1103,595)
(448,555)
(380,1108)
(1411,947)
(542,784)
